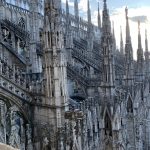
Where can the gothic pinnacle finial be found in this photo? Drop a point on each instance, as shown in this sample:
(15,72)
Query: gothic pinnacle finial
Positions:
(98,7)
(89,11)
(126,10)
(121,33)
(139,36)
(76,9)
(99,17)
(139,26)
(67,7)
(128,38)
(105,5)
(121,41)
(145,33)
(113,27)
(106,24)
(146,41)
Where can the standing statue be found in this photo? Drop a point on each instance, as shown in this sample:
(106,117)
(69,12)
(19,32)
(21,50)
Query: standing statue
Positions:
(14,139)
(45,143)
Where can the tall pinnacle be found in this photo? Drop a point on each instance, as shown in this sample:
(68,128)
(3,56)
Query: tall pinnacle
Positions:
(89,12)
(146,41)
(107,43)
(128,53)
(105,5)
(128,46)
(139,37)
(146,55)
(114,38)
(67,7)
(76,9)
(99,18)
(106,25)
(128,37)
(140,57)
(140,50)
(121,42)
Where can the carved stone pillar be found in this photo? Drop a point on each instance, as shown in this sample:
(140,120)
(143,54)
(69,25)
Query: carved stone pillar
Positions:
(28,133)
(22,134)
(2,122)
(45,143)
(14,139)
(79,134)
(1,67)
(13,39)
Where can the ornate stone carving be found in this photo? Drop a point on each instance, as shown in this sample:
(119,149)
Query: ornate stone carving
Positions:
(45,143)
(28,133)
(22,134)
(14,139)
(2,122)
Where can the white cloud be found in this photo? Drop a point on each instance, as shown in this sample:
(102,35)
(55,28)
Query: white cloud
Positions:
(83,5)
(118,16)
(69,2)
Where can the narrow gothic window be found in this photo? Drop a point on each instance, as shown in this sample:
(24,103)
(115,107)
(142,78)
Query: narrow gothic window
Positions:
(129,106)
(108,127)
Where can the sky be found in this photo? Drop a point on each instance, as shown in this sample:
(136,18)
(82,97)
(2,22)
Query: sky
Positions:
(137,11)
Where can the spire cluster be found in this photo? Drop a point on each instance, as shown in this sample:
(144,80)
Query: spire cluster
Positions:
(76,12)
(139,36)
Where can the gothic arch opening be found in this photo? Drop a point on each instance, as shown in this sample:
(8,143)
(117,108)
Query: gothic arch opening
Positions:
(108,126)
(129,105)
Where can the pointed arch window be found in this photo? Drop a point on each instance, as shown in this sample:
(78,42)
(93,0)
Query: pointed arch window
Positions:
(129,106)
(108,126)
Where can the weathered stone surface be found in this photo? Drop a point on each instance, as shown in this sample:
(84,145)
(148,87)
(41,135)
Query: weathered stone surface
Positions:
(63,84)
(6,147)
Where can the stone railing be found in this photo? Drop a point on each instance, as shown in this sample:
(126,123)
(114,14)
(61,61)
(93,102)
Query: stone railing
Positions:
(12,73)
(75,74)
(13,80)
(89,61)
(86,81)
(14,88)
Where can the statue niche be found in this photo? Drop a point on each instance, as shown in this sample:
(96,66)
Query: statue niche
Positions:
(20,46)
(129,106)
(6,35)
(14,139)
(21,23)
(108,126)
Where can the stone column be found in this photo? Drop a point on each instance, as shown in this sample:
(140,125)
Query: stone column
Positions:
(13,39)
(14,139)
(22,134)
(28,134)
(2,122)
